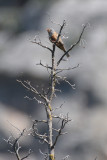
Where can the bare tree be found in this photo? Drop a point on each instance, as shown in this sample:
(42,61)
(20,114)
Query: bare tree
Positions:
(46,97)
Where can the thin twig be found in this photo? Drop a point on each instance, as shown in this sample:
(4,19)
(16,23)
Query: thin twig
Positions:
(66,157)
(45,155)
(29,87)
(66,69)
(41,121)
(16,146)
(37,135)
(34,98)
(64,79)
(46,66)
(64,122)
(29,153)
(40,44)
(58,107)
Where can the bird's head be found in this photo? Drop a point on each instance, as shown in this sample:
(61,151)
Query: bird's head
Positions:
(50,31)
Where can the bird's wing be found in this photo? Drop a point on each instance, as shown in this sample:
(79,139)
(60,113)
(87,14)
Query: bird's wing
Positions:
(54,37)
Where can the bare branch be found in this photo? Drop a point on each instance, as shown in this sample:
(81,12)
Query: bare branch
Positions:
(16,146)
(60,117)
(64,79)
(72,85)
(58,90)
(64,122)
(57,130)
(40,44)
(41,121)
(9,141)
(34,98)
(72,45)
(29,153)
(66,69)
(66,157)
(29,87)
(11,152)
(45,155)
(46,66)
(14,143)
(58,107)
(37,135)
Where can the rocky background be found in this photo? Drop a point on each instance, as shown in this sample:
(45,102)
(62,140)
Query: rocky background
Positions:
(20,21)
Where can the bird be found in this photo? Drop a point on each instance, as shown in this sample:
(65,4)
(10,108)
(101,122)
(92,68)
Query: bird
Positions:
(53,37)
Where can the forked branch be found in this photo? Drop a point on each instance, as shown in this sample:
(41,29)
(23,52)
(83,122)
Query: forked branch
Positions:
(29,87)
(63,123)
(15,145)
(75,44)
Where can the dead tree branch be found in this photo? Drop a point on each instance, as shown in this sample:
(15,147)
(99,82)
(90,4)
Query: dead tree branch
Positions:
(66,69)
(46,66)
(40,44)
(36,134)
(29,87)
(63,123)
(66,157)
(65,79)
(29,153)
(15,145)
(75,44)
(45,155)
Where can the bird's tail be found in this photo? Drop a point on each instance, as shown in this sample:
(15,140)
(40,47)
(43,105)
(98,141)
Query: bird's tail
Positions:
(68,55)
(61,46)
